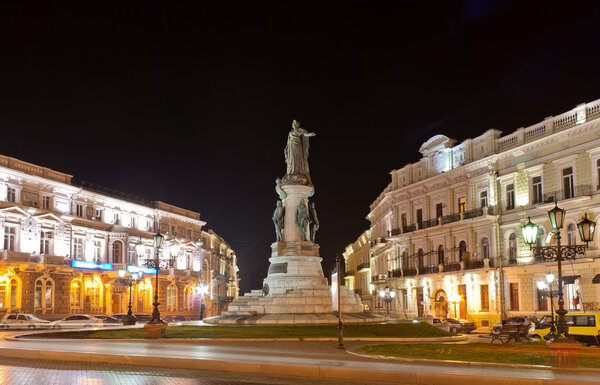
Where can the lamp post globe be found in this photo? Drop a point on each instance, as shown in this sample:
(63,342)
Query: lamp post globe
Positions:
(530,232)
(549,277)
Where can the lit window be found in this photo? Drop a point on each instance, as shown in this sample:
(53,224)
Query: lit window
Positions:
(462,205)
(536,189)
(117,252)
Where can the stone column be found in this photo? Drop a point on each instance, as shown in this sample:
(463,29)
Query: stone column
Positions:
(295,193)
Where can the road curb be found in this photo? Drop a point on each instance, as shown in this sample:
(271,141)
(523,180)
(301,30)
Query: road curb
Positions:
(335,371)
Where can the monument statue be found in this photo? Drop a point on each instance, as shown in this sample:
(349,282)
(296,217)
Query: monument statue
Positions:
(278,189)
(302,220)
(314,221)
(296,153)
(278,215)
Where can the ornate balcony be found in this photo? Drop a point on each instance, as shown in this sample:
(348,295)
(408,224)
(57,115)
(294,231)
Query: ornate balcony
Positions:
(469,265)
(575,192)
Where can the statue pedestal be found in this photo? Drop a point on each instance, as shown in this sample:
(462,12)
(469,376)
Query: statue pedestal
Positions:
(295,194)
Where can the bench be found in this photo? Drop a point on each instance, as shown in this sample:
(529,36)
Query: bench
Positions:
(510,332)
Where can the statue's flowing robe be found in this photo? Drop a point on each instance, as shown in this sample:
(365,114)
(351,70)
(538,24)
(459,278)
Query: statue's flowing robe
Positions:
(296,152)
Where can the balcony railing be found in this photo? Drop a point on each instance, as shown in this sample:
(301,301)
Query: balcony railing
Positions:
(16,256)
(410,272)
(429,270)
(451,218)
(395,273)
(473,213)
(576,192)
(362,266)
(452,267)
(430,223)
(473,265)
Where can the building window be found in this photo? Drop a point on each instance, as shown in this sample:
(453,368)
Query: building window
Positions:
(571,234)
(46,202)
(97,251)
(117,219)
(11,194)
(75,294)
(172,297)
(536,190)
(514,296)
(79,210)
(483,198)
(133,222)
(598,173)
(462,205)
(403,220)
(541,240)
(440,254)
(510,196)
(568,187)
(571,292)
(44,293)
(542,302)
(512,248)
(439,211)
(14,294)
(10,235)
(117,249)
(131,254)
(420,258)
(485,297)
(462,249)
(46,242)
(404,293)
(78,248)
(485,248)
(420,217)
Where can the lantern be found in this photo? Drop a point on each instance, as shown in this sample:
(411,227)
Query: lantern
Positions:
(586,229)
(530,232)
(557,217)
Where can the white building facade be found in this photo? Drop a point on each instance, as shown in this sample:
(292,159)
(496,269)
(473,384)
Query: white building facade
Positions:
(445,233)
(63,242)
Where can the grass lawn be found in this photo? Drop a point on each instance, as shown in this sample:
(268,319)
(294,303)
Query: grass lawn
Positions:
(405,330)
(535,353)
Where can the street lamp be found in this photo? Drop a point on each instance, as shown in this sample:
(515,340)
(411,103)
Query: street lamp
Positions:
(548,286)
(133,278)
(387,296)
(558,252)
(201,289)
(140,248)
(157,264)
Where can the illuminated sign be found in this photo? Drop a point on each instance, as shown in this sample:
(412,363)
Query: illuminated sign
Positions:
(137,269)
(91,265)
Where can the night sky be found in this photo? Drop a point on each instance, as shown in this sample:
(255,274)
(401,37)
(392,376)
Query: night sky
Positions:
(191,105)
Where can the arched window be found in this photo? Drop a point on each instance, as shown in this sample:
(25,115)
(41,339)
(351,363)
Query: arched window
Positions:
(75,295)
(571,234)
(117,250)
(440,254)
(485,248)
(44,294)
(15,298)
(172,297)
(420,257)
(188,294)
(462,249)
(541,240)
(512,247)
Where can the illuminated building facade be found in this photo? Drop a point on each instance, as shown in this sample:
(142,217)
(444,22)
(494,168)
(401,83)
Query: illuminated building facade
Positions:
(445,233)
(63,242)
(358,269)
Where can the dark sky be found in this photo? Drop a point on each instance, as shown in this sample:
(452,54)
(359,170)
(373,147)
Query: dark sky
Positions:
(191,104)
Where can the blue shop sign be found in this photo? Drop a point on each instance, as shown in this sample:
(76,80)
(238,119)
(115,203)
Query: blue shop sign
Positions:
(91,265)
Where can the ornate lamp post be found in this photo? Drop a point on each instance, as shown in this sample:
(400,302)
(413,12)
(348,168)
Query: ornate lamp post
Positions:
(157,263)
(201,289)
(548,285)
(558,253)
(388,296)
(133,278)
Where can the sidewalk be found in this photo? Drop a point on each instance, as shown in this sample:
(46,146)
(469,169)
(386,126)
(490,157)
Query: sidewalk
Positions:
(320,360)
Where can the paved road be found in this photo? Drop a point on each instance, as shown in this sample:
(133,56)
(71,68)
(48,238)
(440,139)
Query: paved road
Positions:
(26,372)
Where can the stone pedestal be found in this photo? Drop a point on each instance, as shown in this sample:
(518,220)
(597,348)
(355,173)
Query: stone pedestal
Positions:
(155,330)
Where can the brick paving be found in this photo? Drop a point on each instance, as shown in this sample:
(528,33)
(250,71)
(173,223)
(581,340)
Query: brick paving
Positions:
(17,372)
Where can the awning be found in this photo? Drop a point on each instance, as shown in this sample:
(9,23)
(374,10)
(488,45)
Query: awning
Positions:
(570,279)
(596,279)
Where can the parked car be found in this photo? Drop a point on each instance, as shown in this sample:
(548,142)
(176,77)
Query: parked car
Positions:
(107,319)
(77,321)
(516,321)
(143,318)
(174,318)
(459,326)
(18,320)
(119,316)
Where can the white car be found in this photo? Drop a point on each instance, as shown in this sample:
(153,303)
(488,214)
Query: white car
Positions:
(77,321)
(23,320)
